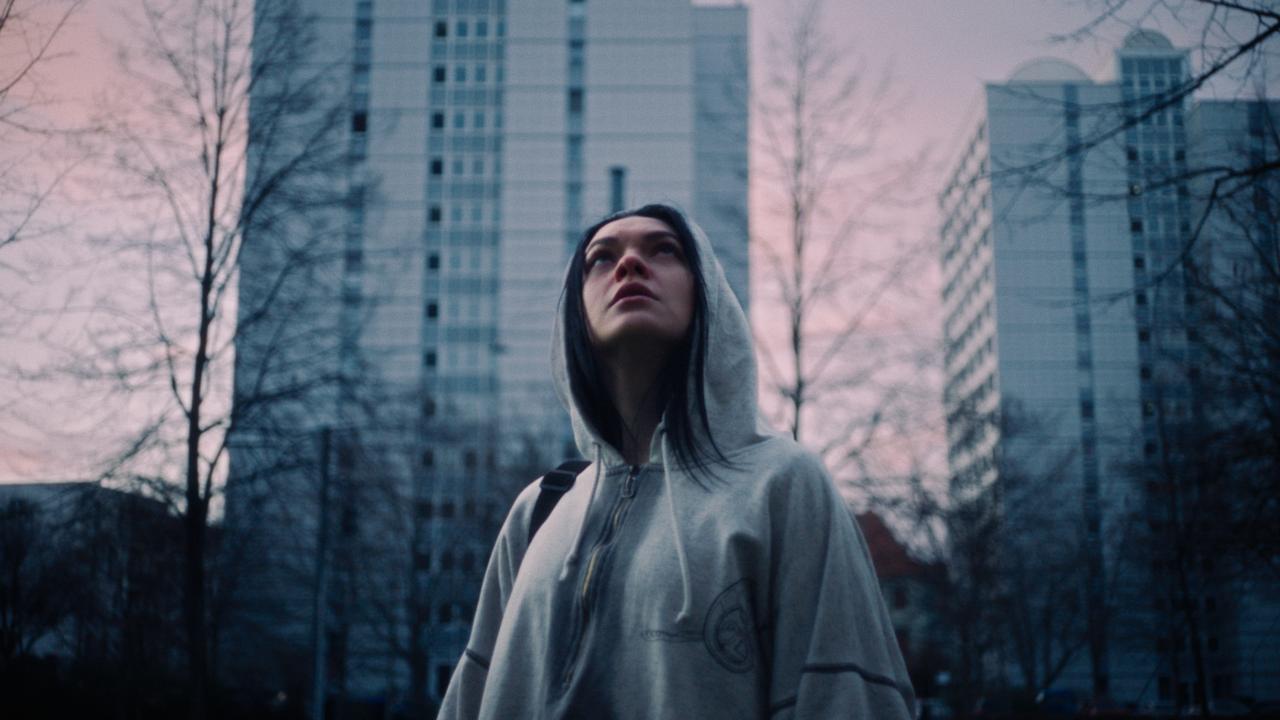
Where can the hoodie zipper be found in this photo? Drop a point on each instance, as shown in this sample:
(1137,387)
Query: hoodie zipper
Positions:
(606,537)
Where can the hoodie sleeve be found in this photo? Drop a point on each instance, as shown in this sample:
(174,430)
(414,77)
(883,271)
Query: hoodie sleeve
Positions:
(466,686)
(833,650)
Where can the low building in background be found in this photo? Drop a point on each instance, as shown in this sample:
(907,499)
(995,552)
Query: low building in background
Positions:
(910,587)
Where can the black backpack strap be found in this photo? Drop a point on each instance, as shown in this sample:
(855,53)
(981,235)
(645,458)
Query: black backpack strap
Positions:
(553,486)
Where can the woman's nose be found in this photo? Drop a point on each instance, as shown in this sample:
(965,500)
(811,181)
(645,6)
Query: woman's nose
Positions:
(631,264)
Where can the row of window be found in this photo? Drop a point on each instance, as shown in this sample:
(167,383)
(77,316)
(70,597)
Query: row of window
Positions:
(962,220)
(449,509)
(962,167)
(446,562)
(1151,66)
(479,120)
(479,73)
(970,367)
(959,343)
(459,213)
(465,28)
(575,101)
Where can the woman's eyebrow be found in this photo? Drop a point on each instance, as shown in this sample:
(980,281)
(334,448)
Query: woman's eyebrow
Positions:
(602,240)
(649,237)
(660,235)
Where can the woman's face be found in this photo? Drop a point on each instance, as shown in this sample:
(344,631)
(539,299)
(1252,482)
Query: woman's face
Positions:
(637,286)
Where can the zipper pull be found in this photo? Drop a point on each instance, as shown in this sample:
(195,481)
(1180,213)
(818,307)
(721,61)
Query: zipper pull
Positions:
(629,485)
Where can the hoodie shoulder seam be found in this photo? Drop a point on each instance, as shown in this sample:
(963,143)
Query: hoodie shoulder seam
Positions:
(476,658)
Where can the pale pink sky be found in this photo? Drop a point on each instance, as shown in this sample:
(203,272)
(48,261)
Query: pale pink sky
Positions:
(939,51)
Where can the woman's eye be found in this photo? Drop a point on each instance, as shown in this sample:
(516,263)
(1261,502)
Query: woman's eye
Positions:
(668,249)
(598,258)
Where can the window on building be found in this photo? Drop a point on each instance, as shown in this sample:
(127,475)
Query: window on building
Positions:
(428,407)
(1135,226)
(437,166)
(442,29)
(433,310)
(575,101)
(429,359)
(433,261)
(437,120)
(617,188)
(428,459)
(1145,372)
(1140,298)
(1139,262)
(359,122)
(422,561)
(439,74)
(434,214)
(460,73)
(446,512)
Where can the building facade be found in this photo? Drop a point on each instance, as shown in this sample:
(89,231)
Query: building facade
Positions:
(484,135)
(1069,330)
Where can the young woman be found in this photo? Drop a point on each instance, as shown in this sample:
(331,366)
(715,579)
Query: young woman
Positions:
(699,567)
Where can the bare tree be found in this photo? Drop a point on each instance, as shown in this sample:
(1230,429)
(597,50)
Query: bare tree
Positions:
(1205,307)
(206,179)
(835,359)
(32,603)
(1012,534)
(27,34)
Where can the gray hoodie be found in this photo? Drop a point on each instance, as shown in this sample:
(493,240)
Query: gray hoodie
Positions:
(651,594)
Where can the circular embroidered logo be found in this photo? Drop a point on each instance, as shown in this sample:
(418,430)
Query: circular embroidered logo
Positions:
(729,629)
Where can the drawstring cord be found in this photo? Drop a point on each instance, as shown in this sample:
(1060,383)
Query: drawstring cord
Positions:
(572,558)
(686,598)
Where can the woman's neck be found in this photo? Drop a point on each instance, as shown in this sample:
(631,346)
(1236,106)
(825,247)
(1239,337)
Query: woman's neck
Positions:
(634,381)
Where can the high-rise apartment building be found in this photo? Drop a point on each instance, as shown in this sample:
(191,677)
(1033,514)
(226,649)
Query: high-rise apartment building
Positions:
(1069,332)
(484,136)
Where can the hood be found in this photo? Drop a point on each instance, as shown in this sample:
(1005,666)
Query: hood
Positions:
(729,375)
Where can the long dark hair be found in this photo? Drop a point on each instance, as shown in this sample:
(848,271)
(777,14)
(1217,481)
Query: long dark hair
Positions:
(687,362)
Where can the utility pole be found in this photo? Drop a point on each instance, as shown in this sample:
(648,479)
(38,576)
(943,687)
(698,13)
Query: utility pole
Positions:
(319,591)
